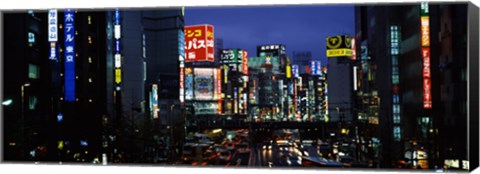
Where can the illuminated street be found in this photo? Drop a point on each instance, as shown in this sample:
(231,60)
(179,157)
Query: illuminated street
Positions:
(316,86)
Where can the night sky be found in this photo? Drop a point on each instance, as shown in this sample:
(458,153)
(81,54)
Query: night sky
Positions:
(299,27)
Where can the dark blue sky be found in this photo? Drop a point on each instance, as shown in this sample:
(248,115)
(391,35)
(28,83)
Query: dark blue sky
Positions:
(300,27)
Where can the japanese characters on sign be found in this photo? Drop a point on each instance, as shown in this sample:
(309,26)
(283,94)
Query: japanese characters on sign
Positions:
(427,96)
(425,31)
(425,42)
(199,43)
(245,62)
(69,55)
(52,26)
(53,33)
(118,55)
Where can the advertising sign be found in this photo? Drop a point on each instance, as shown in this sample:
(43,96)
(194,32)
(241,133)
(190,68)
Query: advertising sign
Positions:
(188,86)
(203,83)
(182,88)
(316,67)
(289,71)
(205,108)
(155,101)
(339,53)
(53,51)
(245,62)
(52,26)
(339,46)
(427,96)
(181,43)
(425,23)
(218,83)
(69,55)
(425,42)
(118,75)
(199,43)
(354,49)
(295,70)
(118,60)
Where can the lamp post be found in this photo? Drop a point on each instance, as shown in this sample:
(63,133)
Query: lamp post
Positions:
(22,126)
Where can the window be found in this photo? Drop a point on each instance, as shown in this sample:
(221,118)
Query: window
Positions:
(395,79)
(89,20)
(396,99)
(31,38)
(396,109)
(396,118)
(397,133)
(33,71)
(32,102)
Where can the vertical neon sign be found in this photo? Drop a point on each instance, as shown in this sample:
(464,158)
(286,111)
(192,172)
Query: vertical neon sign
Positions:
(69,56)
(425,30)
(118,55)
(53,33)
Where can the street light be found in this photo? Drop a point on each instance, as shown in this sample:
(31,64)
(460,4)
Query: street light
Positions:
(7,102)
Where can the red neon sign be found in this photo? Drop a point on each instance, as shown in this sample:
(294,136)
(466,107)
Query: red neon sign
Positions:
(199,43)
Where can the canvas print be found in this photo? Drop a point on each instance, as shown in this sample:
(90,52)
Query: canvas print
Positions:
(352,86)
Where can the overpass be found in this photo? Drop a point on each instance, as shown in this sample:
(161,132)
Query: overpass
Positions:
(199,125)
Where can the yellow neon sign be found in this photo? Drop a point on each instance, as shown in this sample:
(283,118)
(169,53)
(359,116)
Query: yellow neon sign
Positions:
(339,52)
(118,75)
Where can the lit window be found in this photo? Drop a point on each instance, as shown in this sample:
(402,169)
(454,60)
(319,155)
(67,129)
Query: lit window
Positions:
(89,40)
(32,102)
(396,118)
(397,133)
(89,20)
(89,80)
(33,71)
(396,109)
(31,38)
(89,59)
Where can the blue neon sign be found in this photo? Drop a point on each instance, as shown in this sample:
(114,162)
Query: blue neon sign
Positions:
(69,56)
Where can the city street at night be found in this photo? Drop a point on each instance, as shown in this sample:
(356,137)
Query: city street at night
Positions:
(349,86)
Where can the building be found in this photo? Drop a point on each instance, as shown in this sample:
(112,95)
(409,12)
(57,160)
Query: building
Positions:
(302,58)
(61,87)
(415,87)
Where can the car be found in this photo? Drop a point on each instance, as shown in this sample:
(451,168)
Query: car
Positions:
(225,155)
(243,147)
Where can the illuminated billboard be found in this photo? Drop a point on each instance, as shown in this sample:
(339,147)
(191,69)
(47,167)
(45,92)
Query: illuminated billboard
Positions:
(199,43)
(425,42)
(69,55)
(53,33)
(425,31)
(154,101)
(188,84)
(295,70)
(205,108)
(235,59)
(339,46)
(427,96)
(245,62)
(354,49)
(204,83)
(52,26)
(316,67)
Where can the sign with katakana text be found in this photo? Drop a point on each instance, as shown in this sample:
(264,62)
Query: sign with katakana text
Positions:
(199,43)
(69,31)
